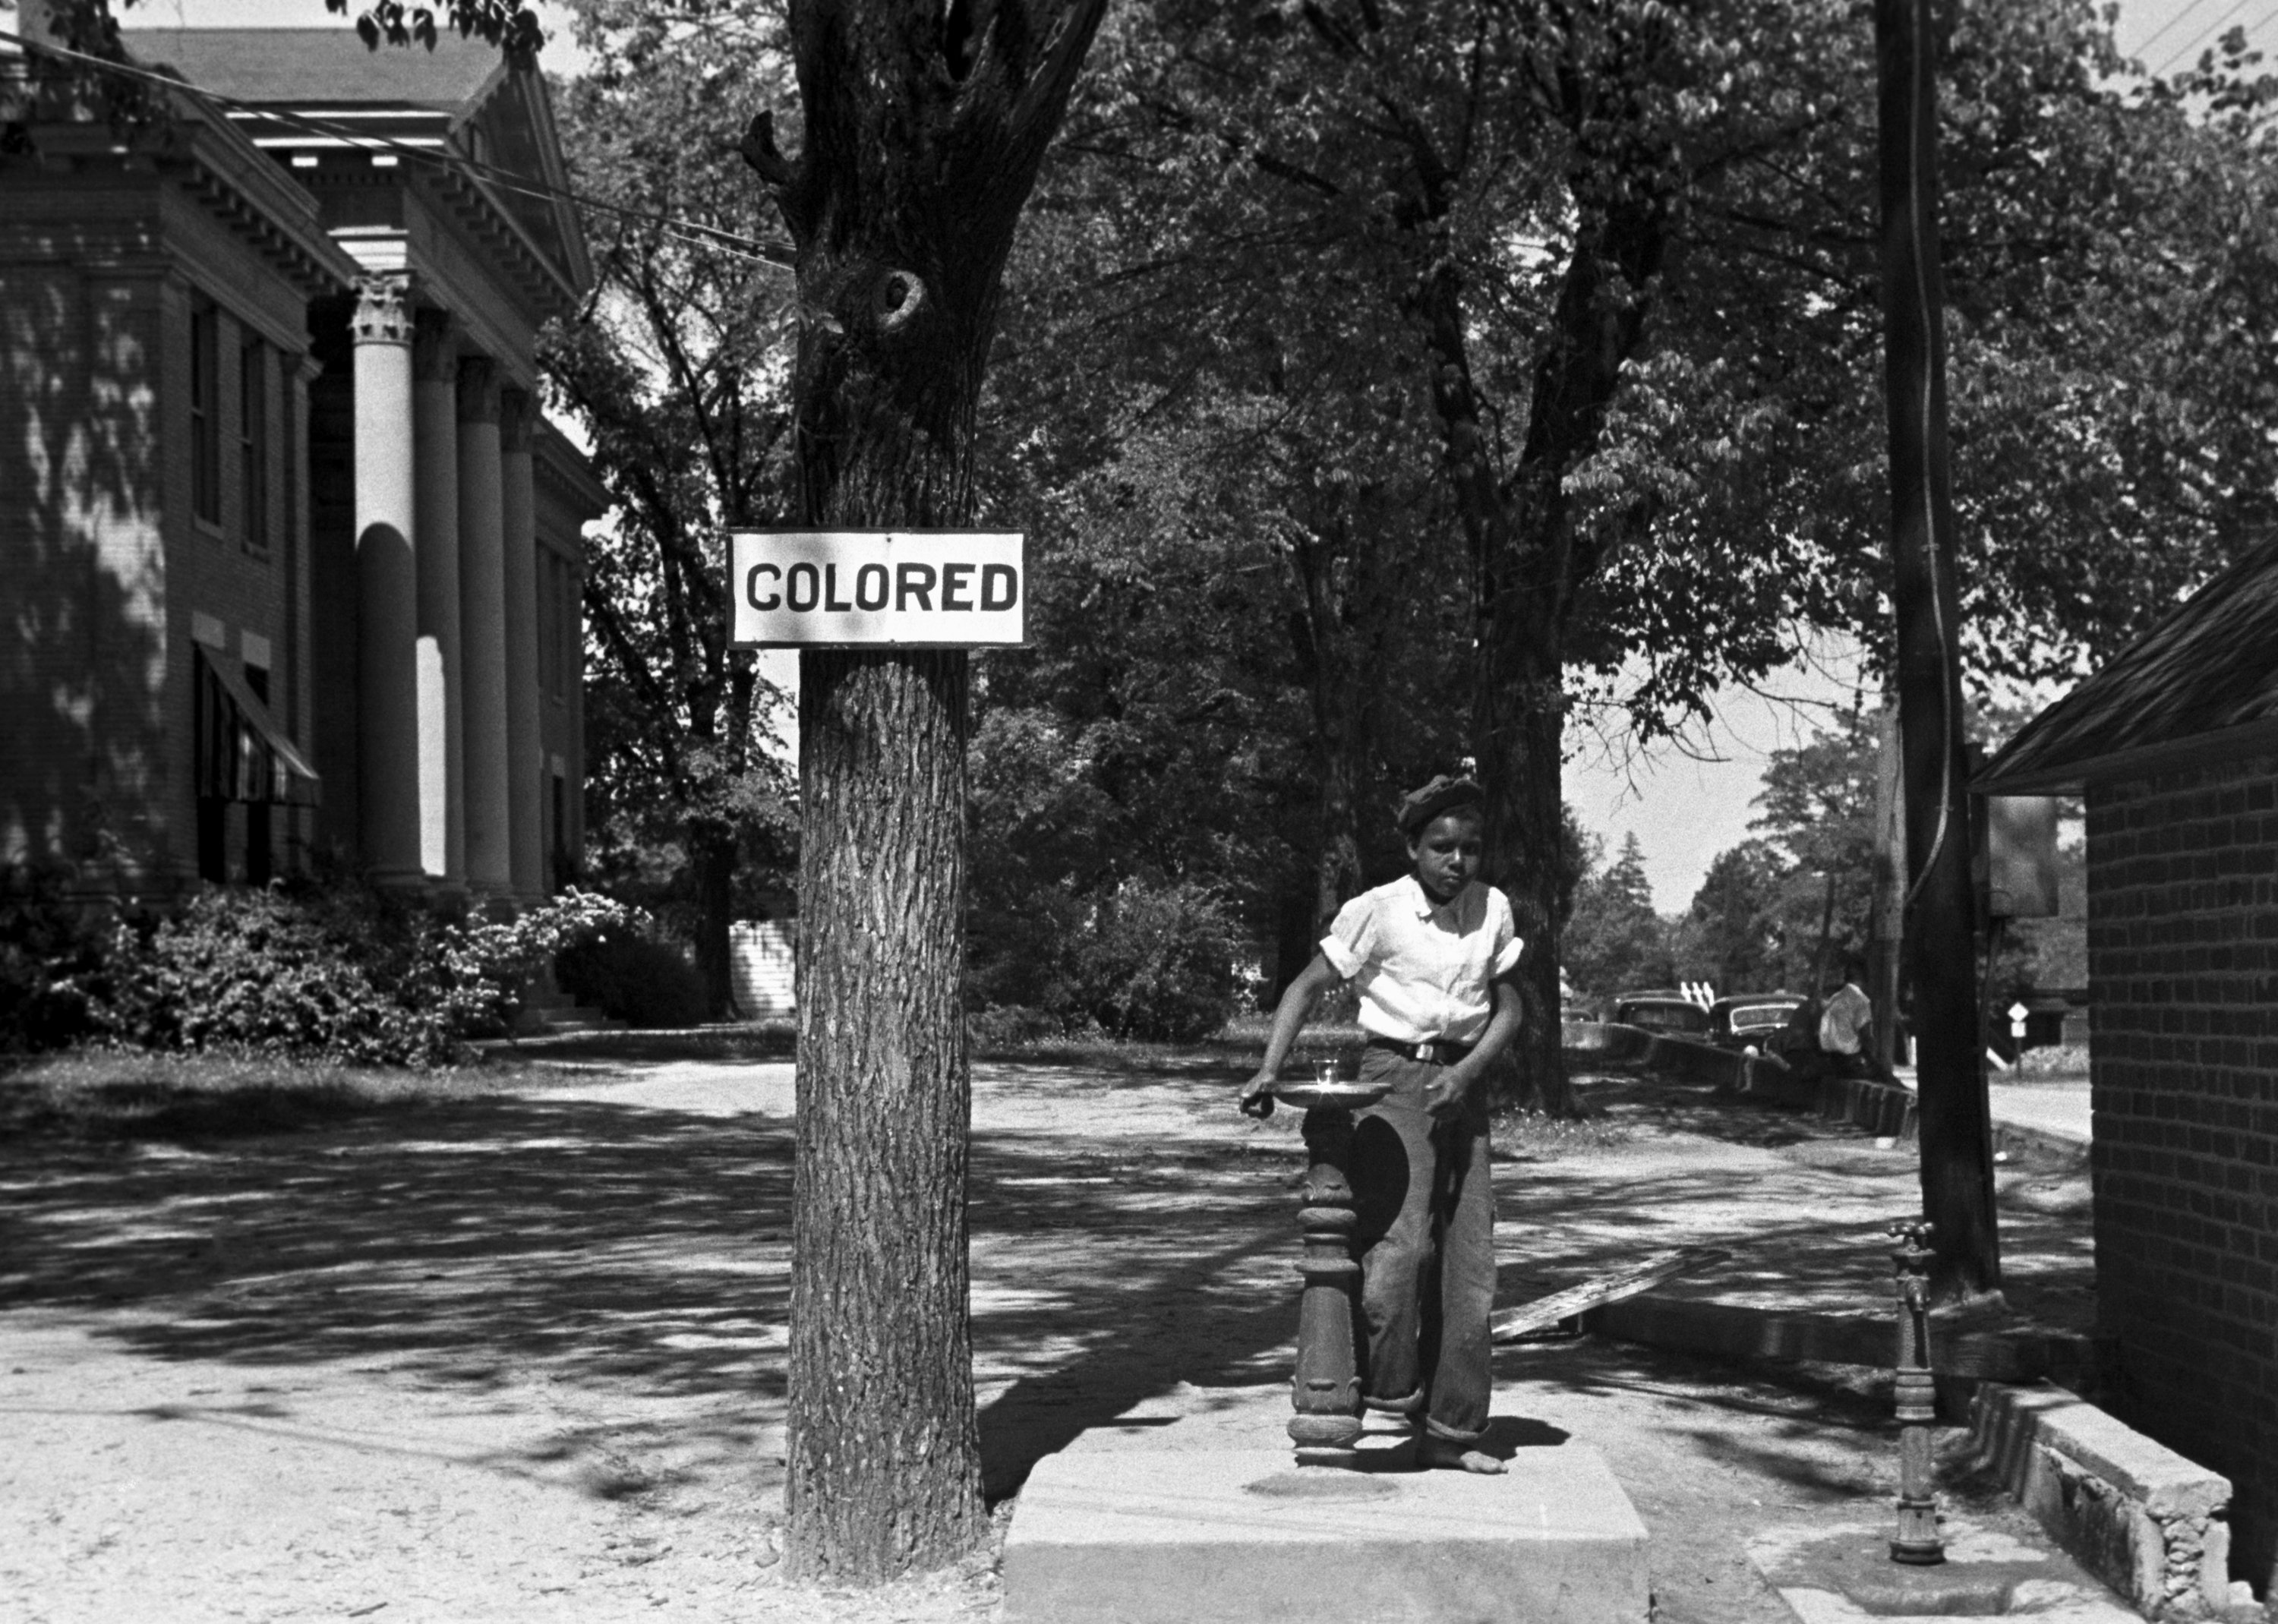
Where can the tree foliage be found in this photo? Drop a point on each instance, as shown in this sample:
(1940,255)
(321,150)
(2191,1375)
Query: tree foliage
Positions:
(679,373)
(1615,942)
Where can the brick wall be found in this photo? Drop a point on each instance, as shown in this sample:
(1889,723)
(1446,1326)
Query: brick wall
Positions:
(2183,914)
(99,274)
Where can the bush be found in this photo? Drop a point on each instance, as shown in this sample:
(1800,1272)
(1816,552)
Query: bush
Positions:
(1014,1026)
(634,977)
(255,969)
(47,952)
(1159,963)
(345,973)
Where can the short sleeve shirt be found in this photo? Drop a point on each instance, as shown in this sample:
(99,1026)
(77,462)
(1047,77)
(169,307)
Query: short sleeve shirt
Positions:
(1424,972)
(1848,1014)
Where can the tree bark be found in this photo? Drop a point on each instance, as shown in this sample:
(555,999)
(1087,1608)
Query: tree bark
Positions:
(884,1448)
(712,856)
(1340,671)
(1957,1141)
(923,129)
(1528,567)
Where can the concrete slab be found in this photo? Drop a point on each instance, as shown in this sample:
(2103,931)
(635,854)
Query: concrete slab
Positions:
(1843,1575)
(1241,1537)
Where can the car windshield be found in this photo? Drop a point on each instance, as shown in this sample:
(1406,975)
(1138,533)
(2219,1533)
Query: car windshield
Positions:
(1755,1014)
(1666,1017)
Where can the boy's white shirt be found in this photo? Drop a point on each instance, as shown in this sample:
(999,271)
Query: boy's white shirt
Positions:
(1844,1021)
(1424,972)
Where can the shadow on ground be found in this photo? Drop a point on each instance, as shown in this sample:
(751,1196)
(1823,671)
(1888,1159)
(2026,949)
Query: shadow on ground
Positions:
(640,1254)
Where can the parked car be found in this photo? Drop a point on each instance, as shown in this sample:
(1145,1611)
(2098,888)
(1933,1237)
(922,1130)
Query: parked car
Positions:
(1669,1012)
(1747,1020)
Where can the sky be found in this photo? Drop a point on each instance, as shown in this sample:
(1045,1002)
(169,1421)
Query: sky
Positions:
(1687,800)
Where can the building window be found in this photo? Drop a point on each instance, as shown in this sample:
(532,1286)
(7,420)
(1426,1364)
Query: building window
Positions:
(253,441)
(205,413)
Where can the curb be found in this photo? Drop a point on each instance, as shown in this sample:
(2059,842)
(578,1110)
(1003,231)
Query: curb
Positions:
(2046,1145)
(1728,1330)
(2146,1521)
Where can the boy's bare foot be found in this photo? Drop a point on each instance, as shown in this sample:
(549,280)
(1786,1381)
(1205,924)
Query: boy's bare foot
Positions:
(1446,1452)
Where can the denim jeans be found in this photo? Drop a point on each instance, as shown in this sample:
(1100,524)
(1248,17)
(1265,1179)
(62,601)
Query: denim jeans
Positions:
(1425,1234)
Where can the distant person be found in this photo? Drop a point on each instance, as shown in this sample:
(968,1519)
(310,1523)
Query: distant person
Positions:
(1431,955)
(1846,1025)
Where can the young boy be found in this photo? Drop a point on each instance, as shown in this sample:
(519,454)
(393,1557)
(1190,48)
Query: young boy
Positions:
(1431,955)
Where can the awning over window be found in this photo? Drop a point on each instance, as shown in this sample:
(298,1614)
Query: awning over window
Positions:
(242,754)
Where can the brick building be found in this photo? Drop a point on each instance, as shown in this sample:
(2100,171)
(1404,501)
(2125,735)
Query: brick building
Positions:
(2175,747)
(294,560)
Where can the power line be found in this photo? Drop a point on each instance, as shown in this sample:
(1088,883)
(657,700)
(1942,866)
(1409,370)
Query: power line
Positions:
(2211,30)
(776,254)
(2144,49)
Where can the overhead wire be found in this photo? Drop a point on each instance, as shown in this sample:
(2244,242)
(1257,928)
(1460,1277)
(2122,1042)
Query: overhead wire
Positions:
(2197,40)
(2161,32)
(780,255)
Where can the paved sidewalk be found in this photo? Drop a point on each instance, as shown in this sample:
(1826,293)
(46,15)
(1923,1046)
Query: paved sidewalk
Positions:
(2054,1107)
(521,1356)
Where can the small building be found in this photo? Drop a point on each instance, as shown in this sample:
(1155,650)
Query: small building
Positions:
(2175,747)
(294,560)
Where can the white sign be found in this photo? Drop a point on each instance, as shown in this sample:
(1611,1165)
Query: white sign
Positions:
(908,588)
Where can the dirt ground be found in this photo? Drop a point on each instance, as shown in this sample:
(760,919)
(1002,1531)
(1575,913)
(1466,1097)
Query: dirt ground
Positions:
(520,1356)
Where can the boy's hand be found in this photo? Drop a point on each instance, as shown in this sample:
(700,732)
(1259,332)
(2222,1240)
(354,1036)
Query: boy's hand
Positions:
(1444,1096)
(1257,1095)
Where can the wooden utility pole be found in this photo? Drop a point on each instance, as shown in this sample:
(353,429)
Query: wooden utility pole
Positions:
(1957,1155)
(1887,915)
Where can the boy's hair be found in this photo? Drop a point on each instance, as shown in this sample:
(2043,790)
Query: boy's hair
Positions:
(1436,799)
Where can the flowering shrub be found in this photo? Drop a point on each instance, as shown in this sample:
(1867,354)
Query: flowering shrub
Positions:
(346,975)
(475,973)
(255,969)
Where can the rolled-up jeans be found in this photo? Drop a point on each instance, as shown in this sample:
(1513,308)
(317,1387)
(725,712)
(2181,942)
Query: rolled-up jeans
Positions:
(1425,1235)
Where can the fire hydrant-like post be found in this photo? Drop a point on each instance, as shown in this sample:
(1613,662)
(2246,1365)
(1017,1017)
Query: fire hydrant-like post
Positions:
(1917,1542)
(1327,1389)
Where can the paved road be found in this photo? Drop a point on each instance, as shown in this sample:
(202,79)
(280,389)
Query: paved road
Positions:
(2059,1107)
(2056,1106)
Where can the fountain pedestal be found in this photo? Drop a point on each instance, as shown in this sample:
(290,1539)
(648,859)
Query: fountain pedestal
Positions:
(1326,1390)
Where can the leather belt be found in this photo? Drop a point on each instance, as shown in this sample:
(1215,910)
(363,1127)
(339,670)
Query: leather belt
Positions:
(1435,1052)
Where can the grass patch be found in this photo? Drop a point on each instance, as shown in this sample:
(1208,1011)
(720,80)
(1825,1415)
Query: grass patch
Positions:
(1238,1046)
(97,1096)
(1536,1133)
(721,1041)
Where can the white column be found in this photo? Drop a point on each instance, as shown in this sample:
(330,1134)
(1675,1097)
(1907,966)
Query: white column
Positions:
(387,585)
(525,752)
(435,415)
(482,635)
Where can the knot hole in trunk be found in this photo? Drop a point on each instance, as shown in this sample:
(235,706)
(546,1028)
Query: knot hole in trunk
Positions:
(896,298)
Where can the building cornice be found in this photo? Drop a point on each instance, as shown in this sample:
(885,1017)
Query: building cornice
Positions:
(566,471)
(225,174)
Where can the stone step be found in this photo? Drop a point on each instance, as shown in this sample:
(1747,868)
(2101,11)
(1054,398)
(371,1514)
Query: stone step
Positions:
(1243,1536)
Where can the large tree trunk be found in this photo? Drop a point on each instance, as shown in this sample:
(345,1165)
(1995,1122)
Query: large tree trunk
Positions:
(1957,1133)
(884,1459)
(1333,664)
(1528,567)
(1519,725)
(712,854)
(924,127)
